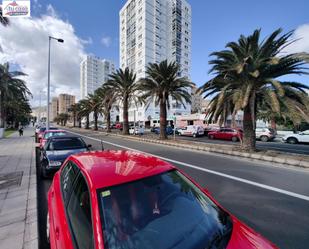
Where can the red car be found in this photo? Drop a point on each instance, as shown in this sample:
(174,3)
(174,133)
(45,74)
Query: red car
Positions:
(50,133)
(226,134)
(40,133)
(122,199)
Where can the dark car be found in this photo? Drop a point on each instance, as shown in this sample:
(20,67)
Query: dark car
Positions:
(56,150)
(169,130)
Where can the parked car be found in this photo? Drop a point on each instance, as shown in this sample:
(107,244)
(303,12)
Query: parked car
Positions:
(56,150)
(169,130)
(118,126)
(209,129)
(265,134)
(122,199)
(47,134)
(226,134)
(301,137)
(191,130)
(41,131)
(136,130)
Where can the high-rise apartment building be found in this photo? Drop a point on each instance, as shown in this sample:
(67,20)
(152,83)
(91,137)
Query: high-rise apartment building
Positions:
(152,31)
(64,102)
(93,73)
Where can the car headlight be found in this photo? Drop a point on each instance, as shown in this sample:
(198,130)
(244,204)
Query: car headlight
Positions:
(54,163)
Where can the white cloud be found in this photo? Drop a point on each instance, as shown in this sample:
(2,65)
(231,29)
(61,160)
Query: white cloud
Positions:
(301,35)
(86,41)
(25,42)
(106,41)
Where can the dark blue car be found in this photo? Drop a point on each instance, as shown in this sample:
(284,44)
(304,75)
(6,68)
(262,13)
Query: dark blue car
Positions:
(169,130)
(56,150)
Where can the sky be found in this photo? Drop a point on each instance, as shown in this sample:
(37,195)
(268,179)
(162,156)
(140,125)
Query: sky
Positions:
(92,27)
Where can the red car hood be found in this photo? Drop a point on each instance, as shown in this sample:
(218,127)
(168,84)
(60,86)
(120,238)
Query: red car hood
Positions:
(244,237)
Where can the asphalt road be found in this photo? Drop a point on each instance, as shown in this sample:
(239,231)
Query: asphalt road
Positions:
(272,145)
(273,200)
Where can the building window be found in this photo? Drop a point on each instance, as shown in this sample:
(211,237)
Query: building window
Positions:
(140,45)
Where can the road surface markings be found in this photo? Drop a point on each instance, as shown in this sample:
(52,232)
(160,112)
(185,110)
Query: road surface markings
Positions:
(263,186)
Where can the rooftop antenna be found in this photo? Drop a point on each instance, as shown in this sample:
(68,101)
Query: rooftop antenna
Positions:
(102,145)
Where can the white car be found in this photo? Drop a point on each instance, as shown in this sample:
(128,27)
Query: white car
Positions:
(136,130)
(191,130)
(265,134)
(301,137)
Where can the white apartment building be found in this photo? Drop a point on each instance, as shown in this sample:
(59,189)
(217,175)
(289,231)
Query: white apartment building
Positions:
(150,32)
(93,73)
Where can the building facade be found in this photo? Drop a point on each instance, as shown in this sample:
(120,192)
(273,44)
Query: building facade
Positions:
(54,108)
(152,31)
(65,101)
(93,73)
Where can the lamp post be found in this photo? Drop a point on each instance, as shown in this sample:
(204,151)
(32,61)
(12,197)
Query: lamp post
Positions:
(48,78)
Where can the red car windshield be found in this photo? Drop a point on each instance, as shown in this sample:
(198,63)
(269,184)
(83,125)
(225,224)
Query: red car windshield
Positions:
(164,211)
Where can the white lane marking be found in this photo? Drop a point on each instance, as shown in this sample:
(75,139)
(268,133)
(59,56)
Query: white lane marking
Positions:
(263,186)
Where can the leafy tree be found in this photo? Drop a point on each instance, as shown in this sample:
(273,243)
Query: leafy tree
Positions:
(11,88)
(161,84)
(62,118)
(247,73)
(125,87)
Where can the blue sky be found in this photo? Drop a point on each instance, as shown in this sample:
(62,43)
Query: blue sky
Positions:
(214,23)
(93,28)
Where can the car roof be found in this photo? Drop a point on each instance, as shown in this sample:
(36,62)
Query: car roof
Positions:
(109,168)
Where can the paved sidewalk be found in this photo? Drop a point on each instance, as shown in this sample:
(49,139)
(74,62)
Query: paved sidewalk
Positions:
(18,193)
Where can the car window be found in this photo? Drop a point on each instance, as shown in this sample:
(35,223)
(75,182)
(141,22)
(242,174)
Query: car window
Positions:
(67,144)
(79,214)
(50,134)
(144,213)
(68,175)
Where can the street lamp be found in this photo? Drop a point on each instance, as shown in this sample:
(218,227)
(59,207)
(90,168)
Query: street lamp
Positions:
(48,81)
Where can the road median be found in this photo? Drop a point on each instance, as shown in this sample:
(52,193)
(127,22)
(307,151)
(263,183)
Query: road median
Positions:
(272,156)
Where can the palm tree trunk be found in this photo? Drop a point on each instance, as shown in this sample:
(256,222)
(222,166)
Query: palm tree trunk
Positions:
(108,121)
(249,130)
(1,112)
(87,121)
(163,120)
(74,119)
(95,116)
(125,117)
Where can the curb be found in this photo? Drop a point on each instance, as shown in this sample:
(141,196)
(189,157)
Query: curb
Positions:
(31,237)
(267,156)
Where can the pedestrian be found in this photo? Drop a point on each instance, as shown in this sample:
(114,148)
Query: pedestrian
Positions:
(21,130)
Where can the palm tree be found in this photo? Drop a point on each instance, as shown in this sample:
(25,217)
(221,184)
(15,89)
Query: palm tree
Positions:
(108,100)
(94,103)
(125,88)
(3,20)
(85,110)
(247,72)
(74,109)
(161,83)
(11,87)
